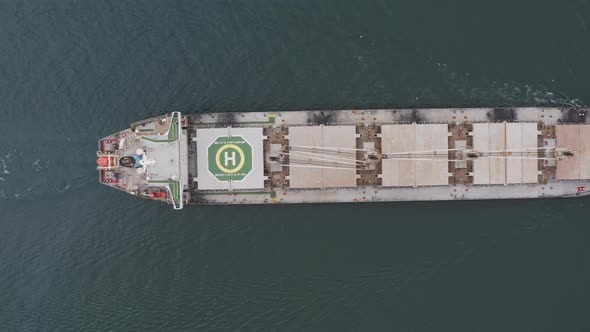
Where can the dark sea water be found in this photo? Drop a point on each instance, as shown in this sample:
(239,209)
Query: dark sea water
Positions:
(75,255)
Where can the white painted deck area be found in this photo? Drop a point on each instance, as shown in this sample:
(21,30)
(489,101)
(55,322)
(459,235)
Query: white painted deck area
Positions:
(170,160)
(322,136)
(504,136)
(409,138)
(432,193)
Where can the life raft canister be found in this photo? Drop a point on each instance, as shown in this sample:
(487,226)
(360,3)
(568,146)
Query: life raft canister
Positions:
(158,194)
(103,161)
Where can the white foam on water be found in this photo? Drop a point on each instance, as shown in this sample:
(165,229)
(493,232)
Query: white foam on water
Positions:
(39,165)
(513,93)
(4,168)
(17,186)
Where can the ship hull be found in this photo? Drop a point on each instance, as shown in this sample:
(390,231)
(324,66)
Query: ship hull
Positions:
(322,156)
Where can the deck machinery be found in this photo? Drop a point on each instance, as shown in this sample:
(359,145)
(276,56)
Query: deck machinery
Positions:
(351,156)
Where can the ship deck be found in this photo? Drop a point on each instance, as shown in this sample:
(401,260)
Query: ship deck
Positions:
(312,172)
(356,156)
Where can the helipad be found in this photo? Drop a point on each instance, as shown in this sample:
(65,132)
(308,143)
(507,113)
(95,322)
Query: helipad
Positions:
(234,158)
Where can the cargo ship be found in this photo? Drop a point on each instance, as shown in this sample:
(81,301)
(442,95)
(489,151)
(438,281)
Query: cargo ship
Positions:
(351,156)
